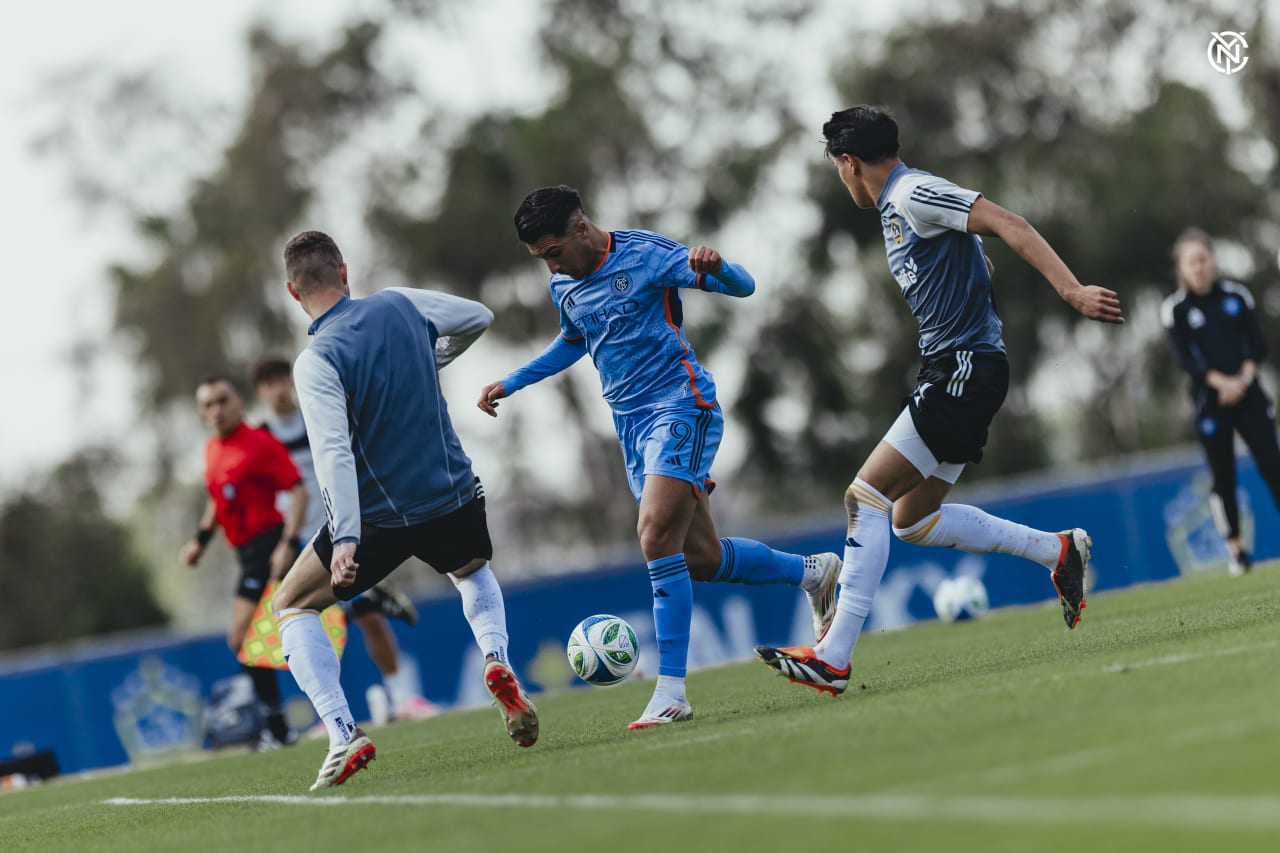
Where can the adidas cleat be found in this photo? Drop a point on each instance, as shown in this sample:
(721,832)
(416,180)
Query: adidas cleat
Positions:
(518,712)
(345,761)
(1068,575)
(1239,564)
(663,711)
(799,664)
(393,604)
(823,600)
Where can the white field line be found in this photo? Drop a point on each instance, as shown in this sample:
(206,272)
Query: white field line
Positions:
(1260,812)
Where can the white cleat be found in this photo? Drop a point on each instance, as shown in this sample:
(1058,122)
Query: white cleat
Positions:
(345,760)
(663,710)
(823,599)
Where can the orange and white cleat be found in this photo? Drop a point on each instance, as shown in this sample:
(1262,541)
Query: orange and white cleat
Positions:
(345,760)
(518,713)
(663,710)
(1068,575)
(799,664)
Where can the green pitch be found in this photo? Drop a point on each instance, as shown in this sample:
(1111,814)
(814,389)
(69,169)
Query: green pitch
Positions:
(1154,726)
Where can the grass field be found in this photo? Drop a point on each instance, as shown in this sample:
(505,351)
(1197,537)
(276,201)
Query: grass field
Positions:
(1154,726)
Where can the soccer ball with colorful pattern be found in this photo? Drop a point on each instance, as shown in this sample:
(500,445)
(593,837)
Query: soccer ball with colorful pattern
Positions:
(603,650)
(960,598)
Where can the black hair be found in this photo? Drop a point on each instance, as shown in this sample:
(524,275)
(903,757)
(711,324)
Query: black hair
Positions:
(546,210)
(269,368)
(215,378)
(868,133)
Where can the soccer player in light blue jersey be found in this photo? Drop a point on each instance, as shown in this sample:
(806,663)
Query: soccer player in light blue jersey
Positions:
(931,236)
(393,477)
(618,297)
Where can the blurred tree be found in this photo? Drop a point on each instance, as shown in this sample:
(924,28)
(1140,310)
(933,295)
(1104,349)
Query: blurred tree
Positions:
(1106,156)
(661,120)
(683,117)
(202,301)
(76,571)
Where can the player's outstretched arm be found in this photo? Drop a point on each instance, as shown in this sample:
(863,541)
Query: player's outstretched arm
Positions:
(1096,303)
(561,354)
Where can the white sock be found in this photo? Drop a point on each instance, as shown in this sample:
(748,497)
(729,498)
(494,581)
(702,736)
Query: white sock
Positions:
(866,554)
(400,686)
(315,667)
(970,529)
(812,577)
(483,606)
(669,686)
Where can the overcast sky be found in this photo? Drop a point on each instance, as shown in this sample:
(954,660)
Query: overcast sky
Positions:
(54,253)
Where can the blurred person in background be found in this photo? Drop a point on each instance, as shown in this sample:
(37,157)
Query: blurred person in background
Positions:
(618,295)
(272,378)
(933,245)
(245,470)
(1216,338)
(394,480)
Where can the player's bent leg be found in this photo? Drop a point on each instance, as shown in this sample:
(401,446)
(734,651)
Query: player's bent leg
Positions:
(887,474)
(667,507)
(483,606)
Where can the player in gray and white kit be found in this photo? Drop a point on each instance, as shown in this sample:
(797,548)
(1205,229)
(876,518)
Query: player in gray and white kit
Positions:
(272,377)
(931,229)
(393,478)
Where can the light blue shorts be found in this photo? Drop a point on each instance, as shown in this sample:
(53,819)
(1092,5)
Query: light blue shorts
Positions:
(678,441)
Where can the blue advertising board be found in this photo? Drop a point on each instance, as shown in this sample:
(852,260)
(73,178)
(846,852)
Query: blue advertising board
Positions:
(131,699)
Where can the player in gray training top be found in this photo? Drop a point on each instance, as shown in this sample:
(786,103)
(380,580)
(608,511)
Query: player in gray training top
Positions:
(393,477)
(931,229)
(273,384)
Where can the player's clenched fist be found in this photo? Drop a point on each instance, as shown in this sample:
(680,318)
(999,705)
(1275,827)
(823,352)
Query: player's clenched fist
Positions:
(704,259)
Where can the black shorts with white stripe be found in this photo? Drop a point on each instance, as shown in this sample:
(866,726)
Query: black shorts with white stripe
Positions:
(445,543)
(957,394)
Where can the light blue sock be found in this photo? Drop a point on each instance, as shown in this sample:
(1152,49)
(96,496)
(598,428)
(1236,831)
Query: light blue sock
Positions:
(672,610)
(755,563)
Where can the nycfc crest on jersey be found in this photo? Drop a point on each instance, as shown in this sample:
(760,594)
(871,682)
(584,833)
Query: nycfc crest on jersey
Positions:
(939,266)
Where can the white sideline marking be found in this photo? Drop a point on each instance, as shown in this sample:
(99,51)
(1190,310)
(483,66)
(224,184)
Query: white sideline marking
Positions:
(1166,660)
(1186,810)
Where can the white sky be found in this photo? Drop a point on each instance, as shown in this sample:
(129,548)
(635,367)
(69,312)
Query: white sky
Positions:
(54,254)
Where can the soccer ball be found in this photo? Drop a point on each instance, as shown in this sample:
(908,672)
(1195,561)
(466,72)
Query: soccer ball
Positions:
(603,650)
(962,597)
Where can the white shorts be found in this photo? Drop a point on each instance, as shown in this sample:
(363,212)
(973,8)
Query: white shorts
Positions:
(902,436)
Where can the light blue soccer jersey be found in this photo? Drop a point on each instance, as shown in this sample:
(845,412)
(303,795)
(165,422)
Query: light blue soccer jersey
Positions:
(939,266)
(629,315)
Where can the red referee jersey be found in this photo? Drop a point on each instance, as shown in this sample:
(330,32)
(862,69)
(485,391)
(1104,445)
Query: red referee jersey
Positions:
(244,472)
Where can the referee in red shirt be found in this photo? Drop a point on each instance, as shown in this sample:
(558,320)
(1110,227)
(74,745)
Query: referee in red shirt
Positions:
(245,469)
